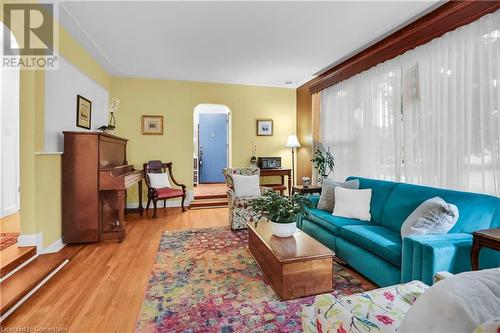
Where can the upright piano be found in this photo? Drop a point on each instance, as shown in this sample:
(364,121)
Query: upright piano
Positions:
(95,179)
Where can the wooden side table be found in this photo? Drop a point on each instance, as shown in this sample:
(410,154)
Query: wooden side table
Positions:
(282,172)
(306,190)
(483,238)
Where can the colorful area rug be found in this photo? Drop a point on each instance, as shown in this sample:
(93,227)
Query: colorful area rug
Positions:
(204,280)
(8,239)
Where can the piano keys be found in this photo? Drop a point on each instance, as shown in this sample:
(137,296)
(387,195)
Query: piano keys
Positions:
(96,177)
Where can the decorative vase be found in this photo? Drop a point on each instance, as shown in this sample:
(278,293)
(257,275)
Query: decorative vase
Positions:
(253,162)
(306,182)
(283,229)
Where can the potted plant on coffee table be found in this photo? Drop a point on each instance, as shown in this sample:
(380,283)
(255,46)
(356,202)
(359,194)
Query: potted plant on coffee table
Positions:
(281,211)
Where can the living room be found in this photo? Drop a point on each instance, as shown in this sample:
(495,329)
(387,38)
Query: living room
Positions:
(249,166)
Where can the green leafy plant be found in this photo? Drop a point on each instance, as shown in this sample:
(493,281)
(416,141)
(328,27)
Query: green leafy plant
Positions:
(323,161)
(278,208)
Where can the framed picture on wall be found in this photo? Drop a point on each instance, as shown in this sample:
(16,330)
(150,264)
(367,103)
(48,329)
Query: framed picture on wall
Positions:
(152,125)
(264,127)
(83,112)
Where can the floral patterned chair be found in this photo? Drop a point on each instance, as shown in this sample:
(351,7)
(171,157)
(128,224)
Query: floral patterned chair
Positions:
(240,211)
(388,310)
(379,310)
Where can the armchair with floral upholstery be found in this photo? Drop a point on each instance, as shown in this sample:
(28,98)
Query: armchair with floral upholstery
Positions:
(240,211)
(462,303)
(376,311)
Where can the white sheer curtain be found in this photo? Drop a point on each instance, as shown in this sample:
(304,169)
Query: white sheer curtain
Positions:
(361,121)
(451,105)
(448,91)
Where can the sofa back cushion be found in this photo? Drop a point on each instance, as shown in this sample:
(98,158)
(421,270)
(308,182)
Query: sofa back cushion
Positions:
(381,190)
(476,211)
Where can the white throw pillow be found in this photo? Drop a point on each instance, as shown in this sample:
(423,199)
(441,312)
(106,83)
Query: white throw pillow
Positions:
(434,217)
(159,180)
(246,186)
(352,203)
(456,304)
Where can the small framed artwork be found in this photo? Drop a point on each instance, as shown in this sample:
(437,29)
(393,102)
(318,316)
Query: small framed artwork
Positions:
(264,127)
(83,112)
(152,125)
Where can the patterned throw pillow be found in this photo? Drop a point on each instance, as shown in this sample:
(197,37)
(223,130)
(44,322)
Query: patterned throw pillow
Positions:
(327,198)
(433,216)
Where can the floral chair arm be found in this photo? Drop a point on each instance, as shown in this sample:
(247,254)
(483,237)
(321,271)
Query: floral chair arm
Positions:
(441,276)
(231,197)
(264,189)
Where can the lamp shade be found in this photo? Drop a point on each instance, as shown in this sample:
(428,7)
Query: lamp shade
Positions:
(292,142)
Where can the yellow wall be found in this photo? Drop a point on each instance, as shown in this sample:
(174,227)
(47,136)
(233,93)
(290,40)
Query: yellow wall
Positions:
(48,197)
(176,100)
(40,175)
(48,167)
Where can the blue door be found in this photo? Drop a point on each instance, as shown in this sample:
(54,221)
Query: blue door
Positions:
(213,130)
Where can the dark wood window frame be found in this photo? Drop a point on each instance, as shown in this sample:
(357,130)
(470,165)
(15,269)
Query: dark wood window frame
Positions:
(448,17)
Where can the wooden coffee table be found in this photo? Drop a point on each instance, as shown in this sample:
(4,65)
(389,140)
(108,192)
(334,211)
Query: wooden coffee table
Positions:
(296,266)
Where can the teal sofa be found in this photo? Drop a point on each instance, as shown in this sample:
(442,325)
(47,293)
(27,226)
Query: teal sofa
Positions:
(375,248)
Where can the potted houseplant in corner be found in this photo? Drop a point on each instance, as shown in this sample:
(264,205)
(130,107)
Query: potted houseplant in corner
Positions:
(324,162)
(281,211)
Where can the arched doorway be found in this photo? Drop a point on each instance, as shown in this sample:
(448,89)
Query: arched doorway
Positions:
(9,145)
(212,142)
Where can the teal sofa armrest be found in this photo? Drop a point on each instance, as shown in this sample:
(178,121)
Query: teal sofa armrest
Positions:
(314,199)
(425,255)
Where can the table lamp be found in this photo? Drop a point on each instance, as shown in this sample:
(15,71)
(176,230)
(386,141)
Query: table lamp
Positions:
(293,142)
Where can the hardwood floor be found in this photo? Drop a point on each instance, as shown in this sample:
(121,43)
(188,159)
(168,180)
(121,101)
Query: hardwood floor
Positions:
(102,287)
(210,189)
(10,223)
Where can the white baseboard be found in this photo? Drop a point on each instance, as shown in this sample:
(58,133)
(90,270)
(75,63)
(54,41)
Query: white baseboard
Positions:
(9,211)
(37,240)
(31,240)
(54,247)
(170,203)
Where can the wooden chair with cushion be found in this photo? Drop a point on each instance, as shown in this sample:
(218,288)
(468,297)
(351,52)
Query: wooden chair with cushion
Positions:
(162,193)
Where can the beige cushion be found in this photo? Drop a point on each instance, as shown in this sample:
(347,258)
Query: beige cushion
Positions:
(159,180)
(327,198)
(353,203)
(246,186)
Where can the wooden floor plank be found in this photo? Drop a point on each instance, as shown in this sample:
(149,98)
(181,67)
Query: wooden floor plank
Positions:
(28,277)
(102,287)
(10,223)
(14,256)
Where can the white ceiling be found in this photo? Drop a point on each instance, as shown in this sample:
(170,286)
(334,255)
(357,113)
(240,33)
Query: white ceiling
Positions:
(261,43)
